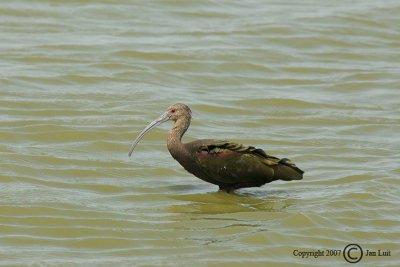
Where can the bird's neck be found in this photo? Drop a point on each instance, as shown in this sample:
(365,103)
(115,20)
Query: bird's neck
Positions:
(174,140)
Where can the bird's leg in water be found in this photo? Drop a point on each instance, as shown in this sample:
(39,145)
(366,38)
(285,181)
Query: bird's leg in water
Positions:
(227,189)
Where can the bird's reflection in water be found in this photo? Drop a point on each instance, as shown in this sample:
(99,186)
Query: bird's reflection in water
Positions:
(220,202)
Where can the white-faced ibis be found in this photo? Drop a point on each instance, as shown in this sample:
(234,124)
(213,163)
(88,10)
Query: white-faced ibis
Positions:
(223,163)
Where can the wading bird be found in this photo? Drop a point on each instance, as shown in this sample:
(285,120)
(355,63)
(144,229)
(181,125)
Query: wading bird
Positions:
(229,165)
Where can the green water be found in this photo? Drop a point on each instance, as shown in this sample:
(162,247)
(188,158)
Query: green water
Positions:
(314,81)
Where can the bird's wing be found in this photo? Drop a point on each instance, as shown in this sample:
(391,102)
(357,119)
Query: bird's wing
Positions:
(219,146)
(244,161)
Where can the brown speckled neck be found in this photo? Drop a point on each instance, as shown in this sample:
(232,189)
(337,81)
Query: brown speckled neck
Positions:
(174,143)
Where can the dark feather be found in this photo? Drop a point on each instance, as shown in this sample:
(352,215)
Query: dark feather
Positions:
(231,165)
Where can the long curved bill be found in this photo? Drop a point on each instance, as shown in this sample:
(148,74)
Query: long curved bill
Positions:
(163,118)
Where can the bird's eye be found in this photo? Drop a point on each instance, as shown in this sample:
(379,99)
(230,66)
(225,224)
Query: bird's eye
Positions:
(173,110)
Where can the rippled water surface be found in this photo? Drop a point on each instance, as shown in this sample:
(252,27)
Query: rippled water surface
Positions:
(315,81)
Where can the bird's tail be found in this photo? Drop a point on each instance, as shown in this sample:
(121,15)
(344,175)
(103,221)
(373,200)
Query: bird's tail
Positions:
(286,170)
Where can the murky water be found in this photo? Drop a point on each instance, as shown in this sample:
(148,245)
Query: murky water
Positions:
(315,81)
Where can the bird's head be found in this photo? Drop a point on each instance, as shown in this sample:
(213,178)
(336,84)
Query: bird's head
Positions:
(174,113)
(177,111)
